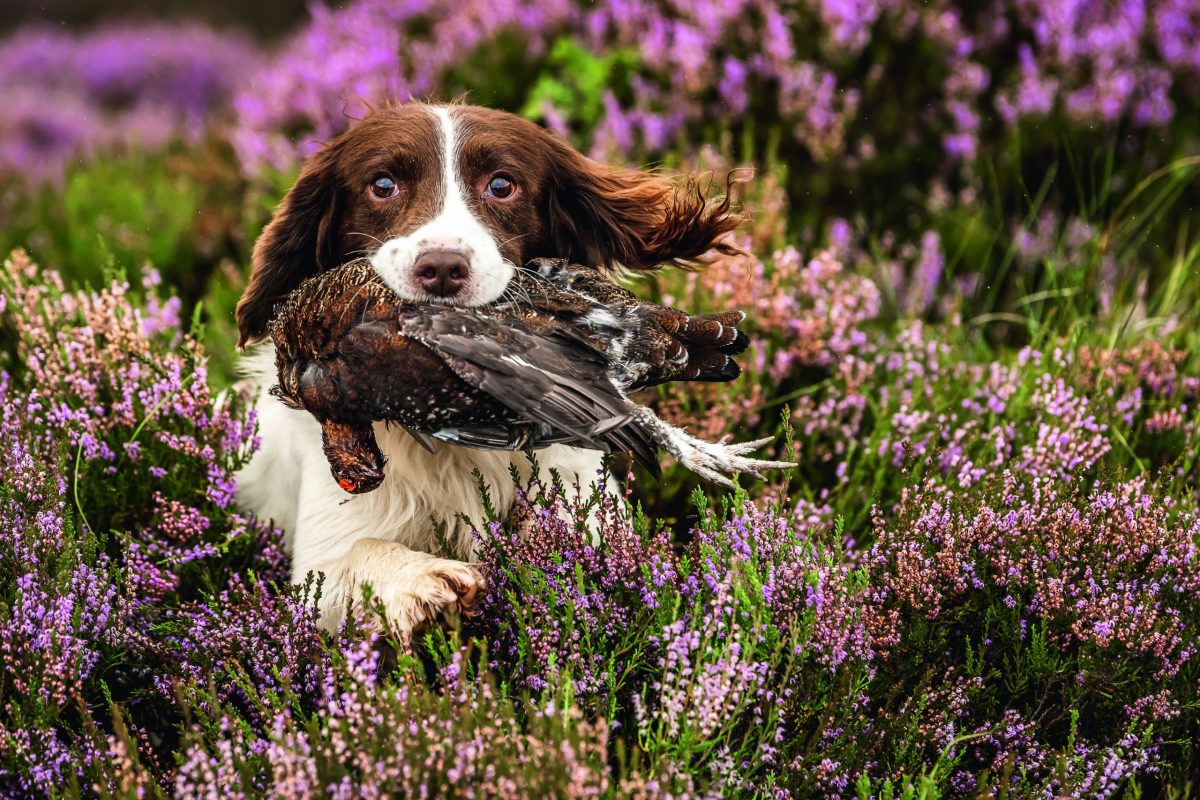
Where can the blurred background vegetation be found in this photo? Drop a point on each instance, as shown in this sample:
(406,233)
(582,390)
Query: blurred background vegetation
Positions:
(269,19)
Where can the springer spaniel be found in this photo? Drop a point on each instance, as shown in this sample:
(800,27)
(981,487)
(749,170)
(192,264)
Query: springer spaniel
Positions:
(448,201)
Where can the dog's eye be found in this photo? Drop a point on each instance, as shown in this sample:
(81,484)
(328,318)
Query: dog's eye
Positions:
(501,187)
(383,187)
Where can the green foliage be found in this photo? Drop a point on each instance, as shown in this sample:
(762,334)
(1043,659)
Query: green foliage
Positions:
(574,82)
(179,211)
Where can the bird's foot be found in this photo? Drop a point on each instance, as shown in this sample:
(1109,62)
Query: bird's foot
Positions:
(714,461)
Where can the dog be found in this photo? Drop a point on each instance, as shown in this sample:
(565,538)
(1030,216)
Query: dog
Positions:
(447,201)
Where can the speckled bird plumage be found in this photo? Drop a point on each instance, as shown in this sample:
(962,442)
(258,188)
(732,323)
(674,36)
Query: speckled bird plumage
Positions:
(552,362)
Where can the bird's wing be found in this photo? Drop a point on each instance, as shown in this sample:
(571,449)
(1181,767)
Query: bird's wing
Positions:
(668,345)
(647,343)
(555,377)
(528,436)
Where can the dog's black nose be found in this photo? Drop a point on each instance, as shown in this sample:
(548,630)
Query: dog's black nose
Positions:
(442,272)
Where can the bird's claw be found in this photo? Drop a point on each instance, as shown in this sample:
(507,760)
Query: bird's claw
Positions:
(716,461)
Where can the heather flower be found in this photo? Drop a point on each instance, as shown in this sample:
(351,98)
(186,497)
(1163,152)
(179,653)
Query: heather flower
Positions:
(807,593)
(377,739)
(76,96)
(1084,61)
(810,315)
(96,545)
(366,50)
(586,558)
(246,636)
(927,274)
(980,578)
(772,654)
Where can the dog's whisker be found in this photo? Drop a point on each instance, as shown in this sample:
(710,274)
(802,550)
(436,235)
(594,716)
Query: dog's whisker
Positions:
(513,238)
(543,289)
(376,239)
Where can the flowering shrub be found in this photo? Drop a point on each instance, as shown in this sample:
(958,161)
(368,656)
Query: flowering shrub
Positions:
(1083,588)
(981,579)
(968,590)
(869,402)
(631,79)
(615,594)
(837,103)
(117,505)
(794,63)
(71,96)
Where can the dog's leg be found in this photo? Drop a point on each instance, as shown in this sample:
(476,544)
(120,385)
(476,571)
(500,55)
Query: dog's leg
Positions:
(414,588)
(384,539)
(380,539)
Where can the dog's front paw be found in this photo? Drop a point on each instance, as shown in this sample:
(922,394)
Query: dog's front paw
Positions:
(435,589)
(464,580)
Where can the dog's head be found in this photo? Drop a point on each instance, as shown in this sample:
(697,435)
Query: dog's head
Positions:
(448,200)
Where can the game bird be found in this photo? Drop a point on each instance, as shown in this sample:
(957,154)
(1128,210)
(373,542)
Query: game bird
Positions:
(553,361)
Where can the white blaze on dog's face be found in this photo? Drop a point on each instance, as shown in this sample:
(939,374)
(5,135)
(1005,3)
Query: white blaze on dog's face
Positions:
(447,201)
(453,257)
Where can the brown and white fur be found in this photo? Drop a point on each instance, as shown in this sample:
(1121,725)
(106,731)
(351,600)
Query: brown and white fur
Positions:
(447,201)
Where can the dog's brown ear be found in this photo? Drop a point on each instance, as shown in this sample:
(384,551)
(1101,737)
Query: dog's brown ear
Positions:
(607,216)
(301,240)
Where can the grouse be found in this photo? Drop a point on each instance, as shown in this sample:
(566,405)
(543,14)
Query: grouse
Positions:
(551,362)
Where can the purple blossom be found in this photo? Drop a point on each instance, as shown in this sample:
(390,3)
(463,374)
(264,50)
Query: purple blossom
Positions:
(72,96)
